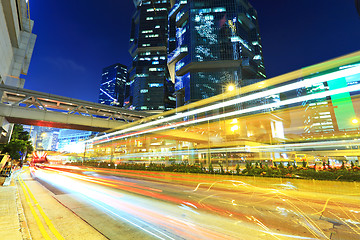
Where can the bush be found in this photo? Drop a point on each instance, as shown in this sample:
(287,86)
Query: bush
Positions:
(337,174)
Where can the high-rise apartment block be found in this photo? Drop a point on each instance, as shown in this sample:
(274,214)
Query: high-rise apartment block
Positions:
(150,89)
(212,44)
(112,88)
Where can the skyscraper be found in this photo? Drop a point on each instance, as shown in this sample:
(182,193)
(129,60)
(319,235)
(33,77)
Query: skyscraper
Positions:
(150,89)
(212,44)
(112,88)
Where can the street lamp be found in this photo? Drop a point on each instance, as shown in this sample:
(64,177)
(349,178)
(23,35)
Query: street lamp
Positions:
(230,87)
(355,121)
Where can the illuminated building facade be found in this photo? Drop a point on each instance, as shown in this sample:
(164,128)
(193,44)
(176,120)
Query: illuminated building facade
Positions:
(149,88)
(73,141)
(212,44)
(112,88)
(43,138)
(333,113)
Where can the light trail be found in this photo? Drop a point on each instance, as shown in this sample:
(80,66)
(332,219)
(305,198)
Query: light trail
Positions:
(304,83)
(348,89)
(139,215)
(196,214)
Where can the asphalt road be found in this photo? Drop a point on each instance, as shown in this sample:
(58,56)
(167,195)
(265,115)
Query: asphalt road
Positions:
(125,204)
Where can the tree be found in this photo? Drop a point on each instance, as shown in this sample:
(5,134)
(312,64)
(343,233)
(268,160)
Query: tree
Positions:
(19,145)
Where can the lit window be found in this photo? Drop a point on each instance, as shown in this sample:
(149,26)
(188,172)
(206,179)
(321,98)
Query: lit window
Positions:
(257,57)
(151,35)
(155,85)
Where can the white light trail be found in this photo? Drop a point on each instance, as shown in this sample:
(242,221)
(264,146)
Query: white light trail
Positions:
(304,83)
(349,89)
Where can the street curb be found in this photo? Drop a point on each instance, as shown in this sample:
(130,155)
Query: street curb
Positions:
(7,181)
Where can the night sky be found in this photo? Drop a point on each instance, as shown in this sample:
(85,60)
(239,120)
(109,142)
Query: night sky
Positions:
(77,39)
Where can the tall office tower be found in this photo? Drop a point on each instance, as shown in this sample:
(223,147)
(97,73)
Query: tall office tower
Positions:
(212,44)
(16,46)
(112,88)
(150,89)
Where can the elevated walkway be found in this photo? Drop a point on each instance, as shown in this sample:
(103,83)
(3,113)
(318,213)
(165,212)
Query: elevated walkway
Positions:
(30,107)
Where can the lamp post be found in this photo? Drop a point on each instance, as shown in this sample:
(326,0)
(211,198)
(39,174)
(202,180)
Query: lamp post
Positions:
(229,88)
(355,121)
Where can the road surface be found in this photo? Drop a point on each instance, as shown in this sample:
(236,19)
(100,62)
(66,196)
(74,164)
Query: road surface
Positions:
(126,204)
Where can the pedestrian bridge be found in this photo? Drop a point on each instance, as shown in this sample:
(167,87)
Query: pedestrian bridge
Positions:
(23,106)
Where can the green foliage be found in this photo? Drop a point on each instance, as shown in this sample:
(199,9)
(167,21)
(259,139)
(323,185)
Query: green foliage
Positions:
(352,164)
(248,166)
(335,174)
(19,144)
(237,169)
(221,168)
(304,163)
(281,165)
(343,165)
(211,169)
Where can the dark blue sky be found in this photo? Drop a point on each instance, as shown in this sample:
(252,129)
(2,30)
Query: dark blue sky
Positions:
(76,39)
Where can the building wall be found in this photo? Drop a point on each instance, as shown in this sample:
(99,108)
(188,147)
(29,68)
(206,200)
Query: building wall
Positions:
(16,41)
(16,47)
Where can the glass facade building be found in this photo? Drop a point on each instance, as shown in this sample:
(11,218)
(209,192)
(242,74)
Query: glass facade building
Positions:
(73,141)
(212,44)
(112,88)
(149,88)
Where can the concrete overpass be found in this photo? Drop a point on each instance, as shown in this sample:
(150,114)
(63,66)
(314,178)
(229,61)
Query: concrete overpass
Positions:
(19,105)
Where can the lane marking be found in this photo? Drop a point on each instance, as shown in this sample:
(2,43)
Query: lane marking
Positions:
(45,217)
(37,219)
